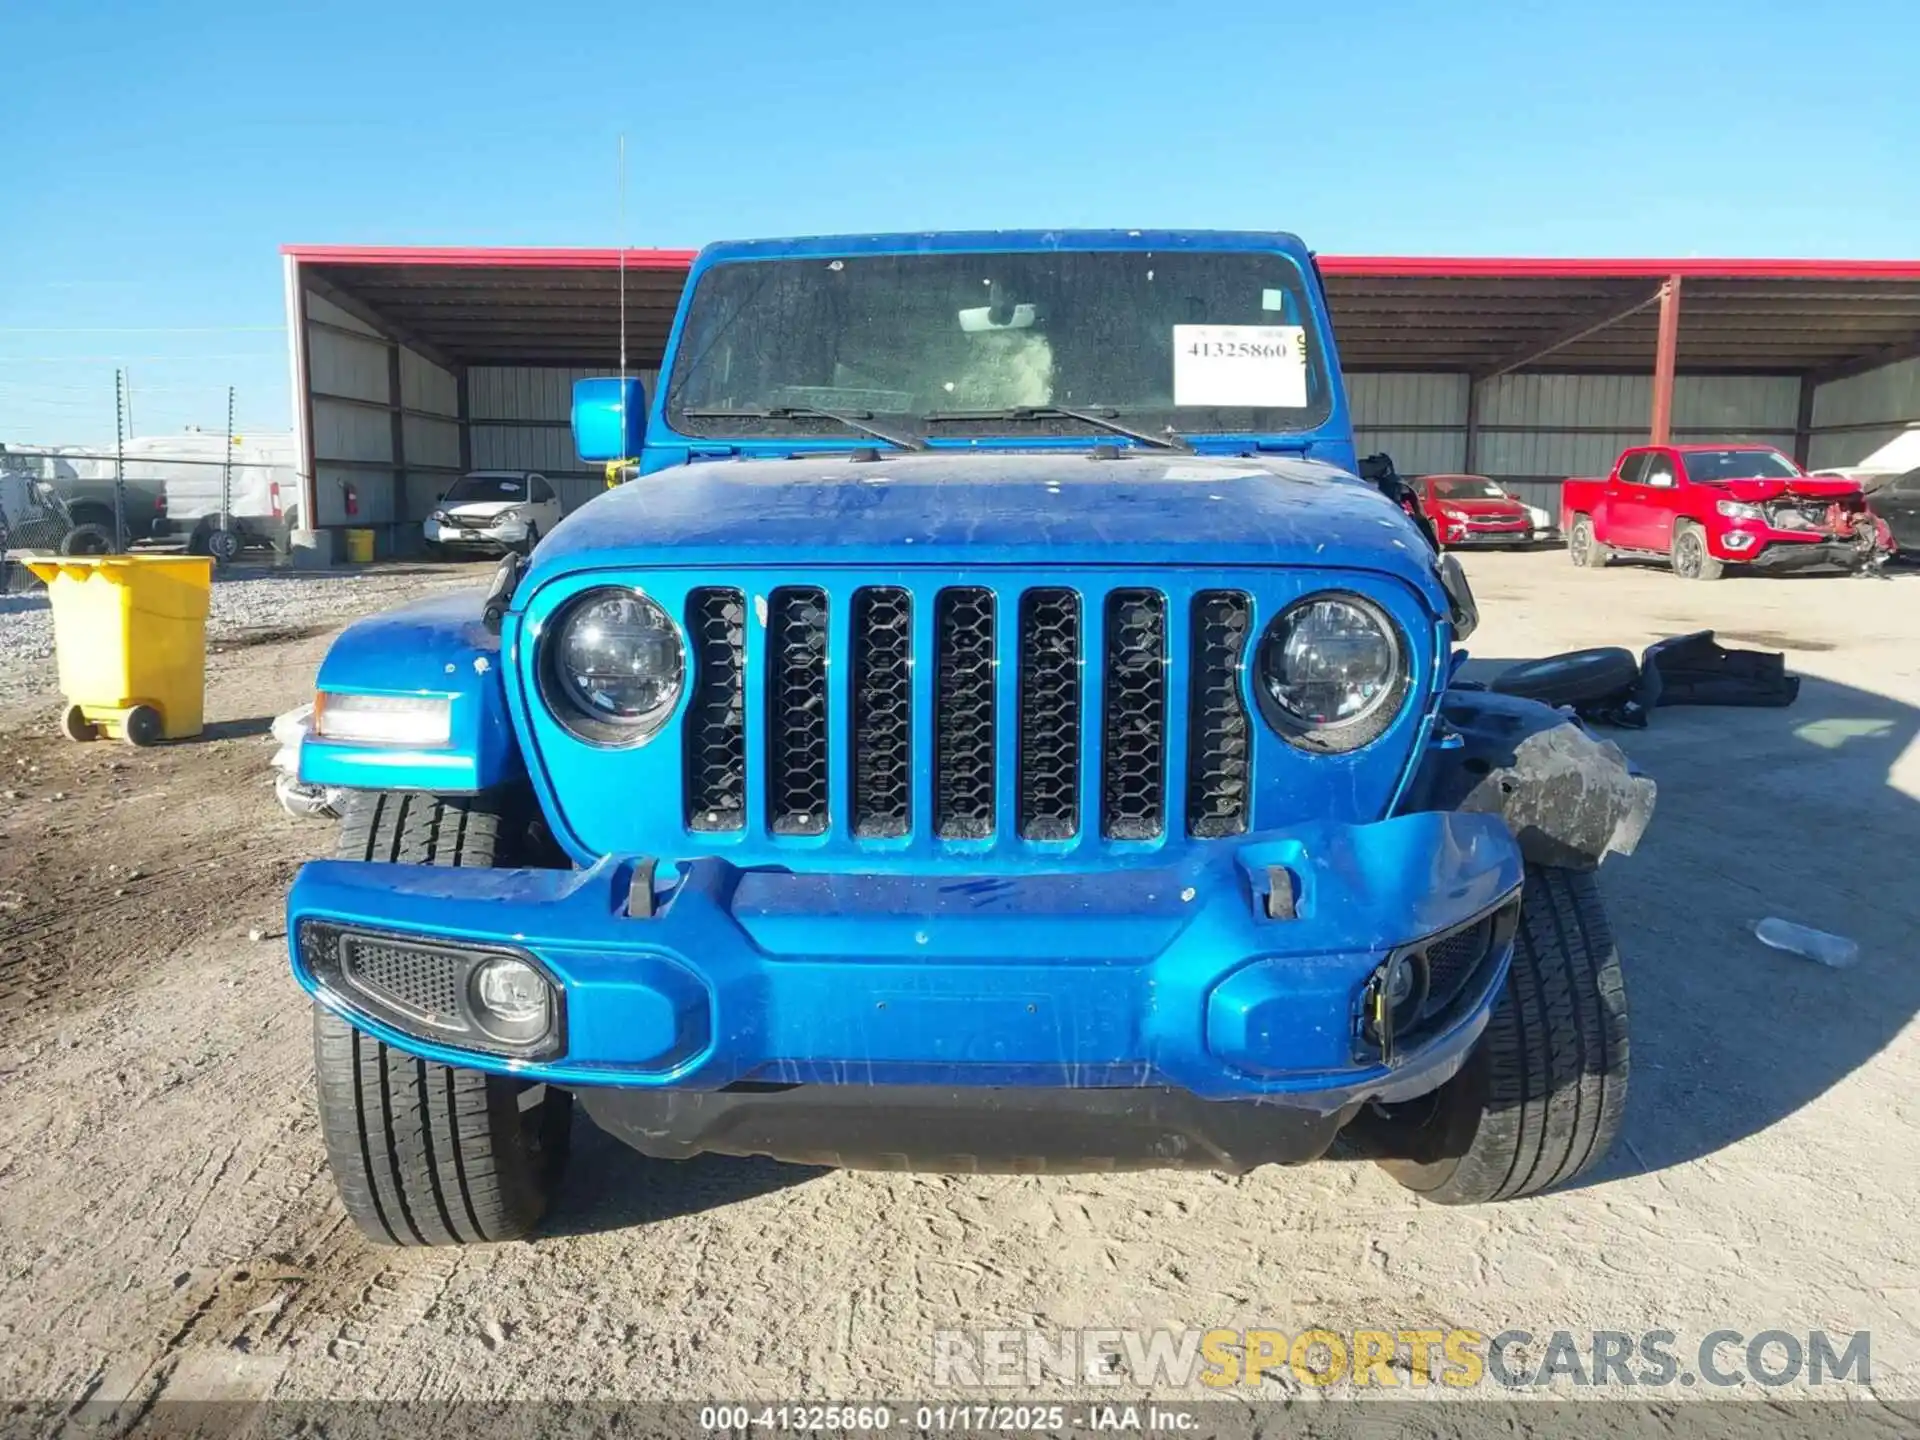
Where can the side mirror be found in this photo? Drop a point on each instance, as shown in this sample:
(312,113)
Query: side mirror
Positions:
(609,418)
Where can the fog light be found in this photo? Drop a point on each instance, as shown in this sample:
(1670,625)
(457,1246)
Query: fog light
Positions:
(1736,540)
(1397,983)
(1394,994)
(511,999)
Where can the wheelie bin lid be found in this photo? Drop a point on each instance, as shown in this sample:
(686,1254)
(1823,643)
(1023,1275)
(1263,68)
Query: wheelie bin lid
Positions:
(177,585)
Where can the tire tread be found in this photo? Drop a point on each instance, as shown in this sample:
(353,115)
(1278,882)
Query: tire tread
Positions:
(424,1153)
(1551,1082)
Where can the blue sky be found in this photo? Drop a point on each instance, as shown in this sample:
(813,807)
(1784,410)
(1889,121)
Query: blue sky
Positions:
(154,157)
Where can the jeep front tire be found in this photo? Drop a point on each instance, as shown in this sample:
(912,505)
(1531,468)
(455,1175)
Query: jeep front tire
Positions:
(424,1153)
(1542,1095)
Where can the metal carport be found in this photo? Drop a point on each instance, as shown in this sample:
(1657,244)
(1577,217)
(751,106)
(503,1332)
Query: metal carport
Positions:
(412,364)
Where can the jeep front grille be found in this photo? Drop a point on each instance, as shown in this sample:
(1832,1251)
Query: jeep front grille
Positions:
(963,744)
(716,723)
(983,697)
(882,711)
(1049,763)
(1133,775)
(1219,736)
(797,706)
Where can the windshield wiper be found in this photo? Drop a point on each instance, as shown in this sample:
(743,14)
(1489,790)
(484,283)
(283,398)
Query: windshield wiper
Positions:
(1100,418)
(854,420)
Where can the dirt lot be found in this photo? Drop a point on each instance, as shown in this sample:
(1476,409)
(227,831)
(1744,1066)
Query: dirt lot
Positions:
(167,1226)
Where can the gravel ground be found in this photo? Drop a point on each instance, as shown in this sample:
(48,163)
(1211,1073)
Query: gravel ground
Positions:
(249,605)
(168,1226)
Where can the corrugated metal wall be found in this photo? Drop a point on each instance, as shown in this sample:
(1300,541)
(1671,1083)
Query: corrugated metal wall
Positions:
(1420,420)
(393,479)
(521,419)
(1534,430)
(1852,418)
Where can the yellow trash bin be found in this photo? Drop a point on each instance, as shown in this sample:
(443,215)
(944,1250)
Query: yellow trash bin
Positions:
(359,547)
(130,635)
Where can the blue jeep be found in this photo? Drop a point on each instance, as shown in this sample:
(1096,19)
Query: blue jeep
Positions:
(996,730)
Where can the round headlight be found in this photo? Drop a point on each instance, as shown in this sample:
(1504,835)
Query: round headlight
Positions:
(613,667)
(1332,670)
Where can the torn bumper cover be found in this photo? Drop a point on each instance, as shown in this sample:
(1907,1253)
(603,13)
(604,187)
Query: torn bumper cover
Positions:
(1132,978)
(1569,797)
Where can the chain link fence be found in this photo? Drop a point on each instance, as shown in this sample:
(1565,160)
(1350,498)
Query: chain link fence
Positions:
(34,519)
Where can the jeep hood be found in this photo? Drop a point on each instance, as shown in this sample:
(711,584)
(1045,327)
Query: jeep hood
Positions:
(993,508)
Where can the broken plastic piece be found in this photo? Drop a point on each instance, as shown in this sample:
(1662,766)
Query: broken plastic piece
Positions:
(1836,952)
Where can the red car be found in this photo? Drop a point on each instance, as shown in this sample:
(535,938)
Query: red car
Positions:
(1704,507)
(1473,510)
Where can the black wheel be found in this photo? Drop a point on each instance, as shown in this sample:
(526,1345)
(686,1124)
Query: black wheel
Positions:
(142,726)
(1542,1095)
(423,1153)
(1690,559)
(533,539)
(87,540)
(1572,678)
(1583,547)
(73,720)
(224,545)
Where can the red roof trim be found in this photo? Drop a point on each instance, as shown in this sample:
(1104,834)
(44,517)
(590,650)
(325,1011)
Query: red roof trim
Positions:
(505,259)
(1523,268)
(1363,266)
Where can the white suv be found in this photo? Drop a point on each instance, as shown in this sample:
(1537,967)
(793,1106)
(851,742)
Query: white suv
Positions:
(494,510)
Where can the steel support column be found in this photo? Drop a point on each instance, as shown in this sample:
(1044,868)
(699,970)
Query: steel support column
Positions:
(1469,459)
(398,444)
(463,416)
(1660,428)
(1803,421)
(296,301)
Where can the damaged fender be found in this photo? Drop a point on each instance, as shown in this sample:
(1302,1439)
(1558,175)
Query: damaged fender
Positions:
(1569,797)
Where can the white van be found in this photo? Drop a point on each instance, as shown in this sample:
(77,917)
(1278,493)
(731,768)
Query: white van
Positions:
(264,480)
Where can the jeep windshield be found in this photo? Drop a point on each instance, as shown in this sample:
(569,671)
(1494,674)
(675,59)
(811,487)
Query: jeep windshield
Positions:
(962,345)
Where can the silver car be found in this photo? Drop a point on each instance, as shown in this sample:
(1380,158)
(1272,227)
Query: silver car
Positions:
(494,511)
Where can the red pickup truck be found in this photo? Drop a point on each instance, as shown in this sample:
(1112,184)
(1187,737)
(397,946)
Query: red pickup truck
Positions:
(1704,507)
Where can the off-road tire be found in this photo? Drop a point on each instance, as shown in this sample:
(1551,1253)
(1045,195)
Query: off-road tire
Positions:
(424,1153)
(1583,546)
(1541,1097)
(1690,559)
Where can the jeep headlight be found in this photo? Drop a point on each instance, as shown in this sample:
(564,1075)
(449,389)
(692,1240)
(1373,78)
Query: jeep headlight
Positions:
(1333,671)
(1739,510)
(612,667)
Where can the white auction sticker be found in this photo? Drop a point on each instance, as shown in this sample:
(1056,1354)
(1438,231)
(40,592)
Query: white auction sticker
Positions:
(1252,365)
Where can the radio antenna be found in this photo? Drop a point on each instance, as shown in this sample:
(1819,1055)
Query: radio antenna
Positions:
(621,226)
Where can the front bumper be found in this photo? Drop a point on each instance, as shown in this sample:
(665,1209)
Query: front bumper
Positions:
(1475,536)
(476,536)
(1789,555)
(1125,978)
